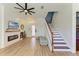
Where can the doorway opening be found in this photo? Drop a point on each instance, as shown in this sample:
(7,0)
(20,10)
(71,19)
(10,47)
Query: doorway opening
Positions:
(77,31)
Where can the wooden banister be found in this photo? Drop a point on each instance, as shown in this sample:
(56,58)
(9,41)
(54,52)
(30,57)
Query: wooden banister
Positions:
(51,35)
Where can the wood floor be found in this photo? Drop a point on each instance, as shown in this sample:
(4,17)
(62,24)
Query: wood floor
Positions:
(30,47)
(77,53)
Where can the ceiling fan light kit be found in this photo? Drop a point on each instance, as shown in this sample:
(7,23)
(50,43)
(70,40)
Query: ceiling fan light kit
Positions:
(25,10)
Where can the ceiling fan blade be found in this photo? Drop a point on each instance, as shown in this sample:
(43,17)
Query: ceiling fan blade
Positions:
(30,8)
(32,11)
(21,11)
(18,8)
(25,6)
(29,13)
(19,5)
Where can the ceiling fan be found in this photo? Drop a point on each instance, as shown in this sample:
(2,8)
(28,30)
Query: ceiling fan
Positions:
(24,9)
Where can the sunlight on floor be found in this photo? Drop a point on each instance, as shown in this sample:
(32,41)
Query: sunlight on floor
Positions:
(33,42)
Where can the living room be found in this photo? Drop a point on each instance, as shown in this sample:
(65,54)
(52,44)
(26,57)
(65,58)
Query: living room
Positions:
(61,22)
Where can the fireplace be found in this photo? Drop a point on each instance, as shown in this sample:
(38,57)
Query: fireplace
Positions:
(12,37)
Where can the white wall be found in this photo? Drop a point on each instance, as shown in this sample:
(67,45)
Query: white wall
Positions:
(6,13)
(63,23)
(1,25)
(41,14)
(11,13)
(74,10)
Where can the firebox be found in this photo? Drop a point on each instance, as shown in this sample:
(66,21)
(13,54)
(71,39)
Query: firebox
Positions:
(12,37)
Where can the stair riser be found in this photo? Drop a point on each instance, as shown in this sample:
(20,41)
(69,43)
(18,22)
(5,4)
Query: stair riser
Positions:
(56,34)
(57,37)
(61,49)
(59,45)
(58,41)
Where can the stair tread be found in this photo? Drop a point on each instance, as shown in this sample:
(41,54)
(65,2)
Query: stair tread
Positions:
(55,34)
(61,47)
(58,40)
(57,37)
(59,43)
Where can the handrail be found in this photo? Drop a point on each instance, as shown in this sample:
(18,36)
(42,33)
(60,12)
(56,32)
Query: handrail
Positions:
(51,34)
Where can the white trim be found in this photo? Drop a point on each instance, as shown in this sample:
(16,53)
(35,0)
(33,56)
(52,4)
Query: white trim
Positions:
(2,28)
(73,49)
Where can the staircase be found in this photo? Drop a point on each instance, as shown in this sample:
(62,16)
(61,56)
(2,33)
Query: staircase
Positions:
(58,42)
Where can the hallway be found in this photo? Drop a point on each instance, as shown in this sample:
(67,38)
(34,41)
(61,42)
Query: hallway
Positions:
(30,47)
